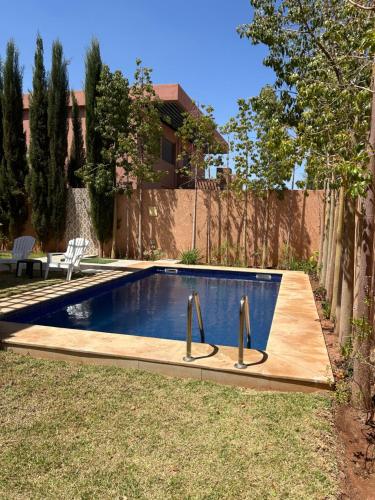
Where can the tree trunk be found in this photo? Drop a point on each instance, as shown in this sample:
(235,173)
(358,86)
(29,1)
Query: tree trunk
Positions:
(336,290)
(194,228)
(140,200)
(332,248)
(322,228)
(265,236)
(127,227)
(114,228)
(330,234)
(209,227)
(227,229)
(364,308)
(347,289)
(328,201)
(245,232)
(289,255)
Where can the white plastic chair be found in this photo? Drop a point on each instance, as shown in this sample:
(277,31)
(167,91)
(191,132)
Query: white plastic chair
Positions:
(70,260)
(22,247)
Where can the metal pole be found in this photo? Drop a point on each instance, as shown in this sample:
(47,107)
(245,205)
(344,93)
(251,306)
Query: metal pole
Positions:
(247,323)
(189,334)
(240,364)
(199,315)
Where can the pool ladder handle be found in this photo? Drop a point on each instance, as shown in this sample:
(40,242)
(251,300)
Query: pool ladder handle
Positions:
(193,299)
(244,322)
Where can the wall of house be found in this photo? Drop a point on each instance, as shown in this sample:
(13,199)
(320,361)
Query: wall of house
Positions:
(169,178)
(170,230)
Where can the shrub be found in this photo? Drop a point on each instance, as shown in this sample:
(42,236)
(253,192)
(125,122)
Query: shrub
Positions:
(326,309)
(228,255)
(309,266)
(190,256)
(320,293)
(153,254)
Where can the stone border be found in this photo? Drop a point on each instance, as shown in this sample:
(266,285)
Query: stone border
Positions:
(296,357)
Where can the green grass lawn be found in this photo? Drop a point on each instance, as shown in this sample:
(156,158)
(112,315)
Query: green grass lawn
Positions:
(98,260)
(72,431)
(33,255)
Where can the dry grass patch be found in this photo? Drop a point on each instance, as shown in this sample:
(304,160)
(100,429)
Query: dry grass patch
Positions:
(72,431)
(11,285)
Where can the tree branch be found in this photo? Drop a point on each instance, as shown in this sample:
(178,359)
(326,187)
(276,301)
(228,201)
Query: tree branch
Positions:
(323,49)
(362,7)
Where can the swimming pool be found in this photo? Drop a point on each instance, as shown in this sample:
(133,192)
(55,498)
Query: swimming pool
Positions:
(153,303)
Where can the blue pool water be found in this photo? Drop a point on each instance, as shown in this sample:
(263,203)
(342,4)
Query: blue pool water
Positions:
(153,304)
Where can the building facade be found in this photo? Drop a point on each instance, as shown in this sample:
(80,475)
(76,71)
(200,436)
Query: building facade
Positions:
(175,102)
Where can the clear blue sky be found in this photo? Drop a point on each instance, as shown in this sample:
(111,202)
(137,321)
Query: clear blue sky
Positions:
(191,42)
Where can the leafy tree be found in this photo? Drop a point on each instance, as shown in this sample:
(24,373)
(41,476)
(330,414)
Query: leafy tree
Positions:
(1,113)
(265,150)
(14,165)
(101,204)
(39,148)
(322,54)
(239,131)
(200,149)
(111,115)
(142,145)
(58,99)
(77,152)
(3,211)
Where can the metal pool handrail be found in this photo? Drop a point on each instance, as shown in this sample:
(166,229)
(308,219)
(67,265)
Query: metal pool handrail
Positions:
(193,298)
(244,322)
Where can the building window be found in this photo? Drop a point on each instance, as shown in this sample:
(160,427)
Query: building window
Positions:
(168,151)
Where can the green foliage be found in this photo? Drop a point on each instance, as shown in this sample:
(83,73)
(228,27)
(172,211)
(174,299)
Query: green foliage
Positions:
(93,67)
(77,154)
(320,293)
(112,124)
(3,210)
(227,255)
(347,349)
(342,392)
(362,329)
(308,266)
(239,130)
(101,204)
(58,99)
(264,149)
(1,114)
(112,118)
(37,180)
(142,142)
(190,257)
(274,156)
(321,53)
(13,169)
(326,309)
(153,254)
(200,145)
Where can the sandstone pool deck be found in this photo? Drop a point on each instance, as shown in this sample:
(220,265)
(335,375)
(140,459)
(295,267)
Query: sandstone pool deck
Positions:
(296,357)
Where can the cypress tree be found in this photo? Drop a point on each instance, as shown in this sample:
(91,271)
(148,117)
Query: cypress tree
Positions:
(58,99)
(39,148)
(77,153)
(1,113)
(101,203)
(14,168)
(3,211)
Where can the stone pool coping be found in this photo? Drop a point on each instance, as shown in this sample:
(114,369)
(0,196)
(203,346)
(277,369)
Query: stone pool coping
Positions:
(296,357)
